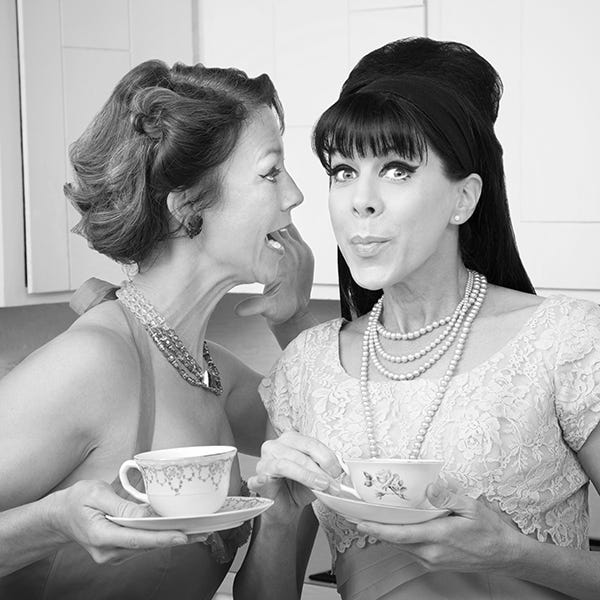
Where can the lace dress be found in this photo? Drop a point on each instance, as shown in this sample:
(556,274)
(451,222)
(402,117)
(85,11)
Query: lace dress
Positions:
(508,430)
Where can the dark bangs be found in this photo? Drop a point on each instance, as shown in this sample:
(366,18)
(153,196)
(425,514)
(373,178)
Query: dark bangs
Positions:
(363,123)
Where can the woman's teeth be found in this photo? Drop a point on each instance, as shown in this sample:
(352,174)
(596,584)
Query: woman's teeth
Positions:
(273,244)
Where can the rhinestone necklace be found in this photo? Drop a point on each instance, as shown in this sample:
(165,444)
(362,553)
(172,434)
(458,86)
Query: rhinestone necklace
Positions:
(169,343)
(468,307)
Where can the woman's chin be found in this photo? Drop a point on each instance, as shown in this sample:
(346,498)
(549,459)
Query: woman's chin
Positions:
(369,281)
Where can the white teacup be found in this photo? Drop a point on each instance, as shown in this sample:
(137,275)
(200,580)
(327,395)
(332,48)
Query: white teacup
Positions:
(182,482)
(394,481)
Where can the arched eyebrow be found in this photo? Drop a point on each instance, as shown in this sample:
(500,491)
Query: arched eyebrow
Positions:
(268,151)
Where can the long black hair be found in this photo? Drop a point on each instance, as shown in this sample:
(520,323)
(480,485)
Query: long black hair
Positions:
(368,118)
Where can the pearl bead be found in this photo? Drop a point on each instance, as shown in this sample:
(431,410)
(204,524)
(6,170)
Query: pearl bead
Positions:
(461,320)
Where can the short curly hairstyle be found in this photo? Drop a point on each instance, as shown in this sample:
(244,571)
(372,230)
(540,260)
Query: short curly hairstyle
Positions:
(162,130)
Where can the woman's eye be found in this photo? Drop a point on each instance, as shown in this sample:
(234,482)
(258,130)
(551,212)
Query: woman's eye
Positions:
(396,172)
(272,175)
(342,173)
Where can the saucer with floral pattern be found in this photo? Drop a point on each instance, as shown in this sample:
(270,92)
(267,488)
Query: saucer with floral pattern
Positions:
(235,510)
(358,510)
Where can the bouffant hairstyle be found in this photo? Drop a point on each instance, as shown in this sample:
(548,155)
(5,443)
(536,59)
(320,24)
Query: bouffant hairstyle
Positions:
(374,114)
(162,130)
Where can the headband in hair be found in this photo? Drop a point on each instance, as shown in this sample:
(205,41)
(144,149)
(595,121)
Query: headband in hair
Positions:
(437,102)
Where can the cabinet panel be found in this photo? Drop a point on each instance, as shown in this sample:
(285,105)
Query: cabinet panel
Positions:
(238,34)
(93,24)
(82,102)
(373,4)
(372,29)
(83,98)
(42,114)
(560,111)
(162,30)
(311,56)
(546,125)
(72,53)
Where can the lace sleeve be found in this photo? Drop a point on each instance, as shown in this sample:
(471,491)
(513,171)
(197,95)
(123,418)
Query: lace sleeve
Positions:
(577,372)
(280,390)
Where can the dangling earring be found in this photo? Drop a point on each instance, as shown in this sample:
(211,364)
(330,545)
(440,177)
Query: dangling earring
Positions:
(194,226)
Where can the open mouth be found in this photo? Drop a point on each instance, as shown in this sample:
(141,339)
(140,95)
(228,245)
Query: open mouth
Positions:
(272,243)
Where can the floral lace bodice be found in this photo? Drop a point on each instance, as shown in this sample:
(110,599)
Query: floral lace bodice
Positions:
(508,429)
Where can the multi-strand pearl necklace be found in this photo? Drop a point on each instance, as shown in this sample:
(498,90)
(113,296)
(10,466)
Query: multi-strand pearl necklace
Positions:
(169,343)
(458,326)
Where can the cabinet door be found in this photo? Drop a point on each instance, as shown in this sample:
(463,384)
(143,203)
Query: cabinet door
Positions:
(546,53)
(71,54)
(308,49)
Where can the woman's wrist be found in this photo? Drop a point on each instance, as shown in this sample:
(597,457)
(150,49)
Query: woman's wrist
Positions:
(300,315)
(283,515)
(520,550)
(52,511)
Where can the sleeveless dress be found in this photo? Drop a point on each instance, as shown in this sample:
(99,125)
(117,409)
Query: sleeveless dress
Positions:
(508,431)
(163,574)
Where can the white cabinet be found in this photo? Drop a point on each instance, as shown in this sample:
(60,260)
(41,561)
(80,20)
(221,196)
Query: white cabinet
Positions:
(70,55)
(73,51)
(546,52)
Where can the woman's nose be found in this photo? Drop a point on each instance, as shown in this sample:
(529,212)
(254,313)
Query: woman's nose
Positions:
(293,196)
(365,201)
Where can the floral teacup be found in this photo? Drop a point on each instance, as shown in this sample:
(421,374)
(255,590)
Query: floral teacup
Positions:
(393,481)
(182,482)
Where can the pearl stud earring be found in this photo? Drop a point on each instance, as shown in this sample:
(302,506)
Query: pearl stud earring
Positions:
(457,218)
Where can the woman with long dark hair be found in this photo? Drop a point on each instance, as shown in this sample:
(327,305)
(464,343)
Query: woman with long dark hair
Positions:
(443,352)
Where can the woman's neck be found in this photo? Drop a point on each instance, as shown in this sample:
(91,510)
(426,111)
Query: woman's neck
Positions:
(423,298)
(184,286)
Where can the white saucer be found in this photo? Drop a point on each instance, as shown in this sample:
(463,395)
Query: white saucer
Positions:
(358,510)
(235,510)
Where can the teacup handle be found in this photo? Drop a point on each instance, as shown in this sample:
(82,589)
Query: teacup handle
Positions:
(123,476)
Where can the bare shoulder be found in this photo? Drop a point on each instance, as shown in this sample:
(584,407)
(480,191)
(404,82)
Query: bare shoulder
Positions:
(89,366)
(503,314)
(504,302)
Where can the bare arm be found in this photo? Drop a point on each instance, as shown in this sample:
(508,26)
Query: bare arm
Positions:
(51,416)
(276,561)
(288,330)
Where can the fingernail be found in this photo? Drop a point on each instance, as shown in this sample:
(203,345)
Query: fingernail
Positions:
(321,483)
(178,540)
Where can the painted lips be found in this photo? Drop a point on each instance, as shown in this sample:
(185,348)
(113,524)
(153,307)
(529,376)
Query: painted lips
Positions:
(366,246)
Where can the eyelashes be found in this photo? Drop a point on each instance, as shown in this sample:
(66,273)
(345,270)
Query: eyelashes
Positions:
(393,170)
(272,174)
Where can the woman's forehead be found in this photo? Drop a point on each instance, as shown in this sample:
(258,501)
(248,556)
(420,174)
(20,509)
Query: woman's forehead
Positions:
(260,136)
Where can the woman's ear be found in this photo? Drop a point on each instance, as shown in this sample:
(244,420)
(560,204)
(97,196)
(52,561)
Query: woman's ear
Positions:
(184,211)
(469,191)
(176,203)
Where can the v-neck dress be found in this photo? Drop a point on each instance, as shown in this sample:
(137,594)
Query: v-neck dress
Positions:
(508,431)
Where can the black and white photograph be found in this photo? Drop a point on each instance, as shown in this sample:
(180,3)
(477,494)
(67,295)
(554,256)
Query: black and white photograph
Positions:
(299,300)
